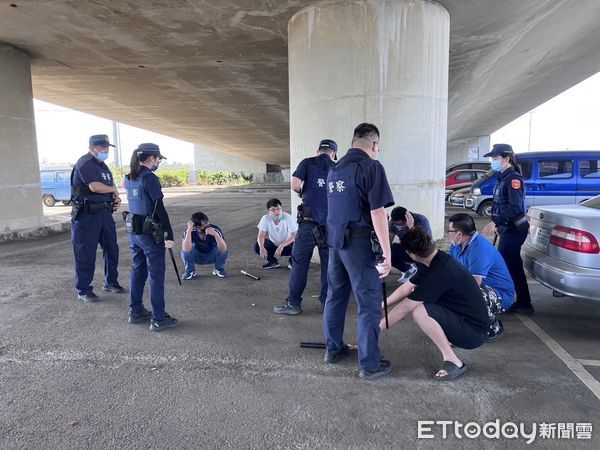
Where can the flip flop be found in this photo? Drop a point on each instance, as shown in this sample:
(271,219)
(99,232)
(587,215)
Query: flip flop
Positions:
(452,371)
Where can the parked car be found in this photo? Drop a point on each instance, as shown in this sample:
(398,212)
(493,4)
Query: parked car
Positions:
(56,185)
(462,178)
(551,178)
(562,250)
(457,197)
(482,165)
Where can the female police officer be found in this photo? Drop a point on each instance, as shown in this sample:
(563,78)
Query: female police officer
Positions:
(147,223)
(509,221)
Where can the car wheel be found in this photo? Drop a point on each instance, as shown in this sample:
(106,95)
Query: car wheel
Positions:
(48,200)
(485,209)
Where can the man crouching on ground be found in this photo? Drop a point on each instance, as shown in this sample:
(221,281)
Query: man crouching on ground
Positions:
(444,300)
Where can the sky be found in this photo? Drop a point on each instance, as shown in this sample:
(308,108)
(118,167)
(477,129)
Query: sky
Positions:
(568,121)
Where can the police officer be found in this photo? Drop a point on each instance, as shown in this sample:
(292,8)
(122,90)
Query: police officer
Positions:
(309,181)
(509,221)
(357,193)
(147,224)
(94,197)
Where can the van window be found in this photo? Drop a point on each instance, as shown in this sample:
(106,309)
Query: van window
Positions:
(525,169)
(589,168)
(63,177)
(465,176)
(555,168)
(47,177)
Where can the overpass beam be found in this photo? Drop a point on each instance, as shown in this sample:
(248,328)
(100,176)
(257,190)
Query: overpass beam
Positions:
(468,149)
(383,62)
(20,195)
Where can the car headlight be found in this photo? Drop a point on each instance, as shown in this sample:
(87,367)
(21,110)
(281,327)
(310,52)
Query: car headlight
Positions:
(476,191)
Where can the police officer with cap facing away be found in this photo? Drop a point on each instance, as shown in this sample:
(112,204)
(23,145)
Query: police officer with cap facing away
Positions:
(147,224)
(357,193)
(509,221)
(309,182)
(94,198)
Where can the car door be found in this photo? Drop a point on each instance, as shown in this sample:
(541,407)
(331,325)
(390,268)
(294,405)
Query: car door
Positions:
(63,186)
(555,183)
(588,181)
(47,182)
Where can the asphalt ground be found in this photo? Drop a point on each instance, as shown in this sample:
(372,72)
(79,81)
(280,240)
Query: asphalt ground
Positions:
(232,374)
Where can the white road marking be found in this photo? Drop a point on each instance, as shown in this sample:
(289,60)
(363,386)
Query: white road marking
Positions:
(590,362)
(573,364)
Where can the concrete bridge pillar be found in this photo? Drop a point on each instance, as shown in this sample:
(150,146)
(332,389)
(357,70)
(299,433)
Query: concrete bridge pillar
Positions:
(384,62)
(468,149)
(20,195)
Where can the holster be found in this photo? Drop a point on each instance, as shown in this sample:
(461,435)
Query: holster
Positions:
(155,229)
(320,236)
(521,224)
(376,246)
(76,210)
(304,214)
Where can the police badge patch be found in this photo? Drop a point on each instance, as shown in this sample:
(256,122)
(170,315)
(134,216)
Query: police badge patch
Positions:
(516,184)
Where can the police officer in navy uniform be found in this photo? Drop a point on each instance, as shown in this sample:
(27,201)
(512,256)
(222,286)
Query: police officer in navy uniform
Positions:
(94,197)
(357,193)
(509,221)
(309,182)
(147,224)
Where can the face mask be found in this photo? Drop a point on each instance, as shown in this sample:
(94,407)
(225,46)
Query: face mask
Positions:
(459,238)
(496,165)
(102,156)
(276,218)
(154,168)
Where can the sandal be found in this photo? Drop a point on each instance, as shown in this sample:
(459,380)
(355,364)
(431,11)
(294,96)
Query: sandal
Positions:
(452,371)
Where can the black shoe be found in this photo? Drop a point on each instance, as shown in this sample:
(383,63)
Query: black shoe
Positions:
(88,298)
(494,336)
(333,356)
(271,265)
(288,309)
(160,325)
(114,288)
(384,368)
(321,308)
(516,309)
(139,317)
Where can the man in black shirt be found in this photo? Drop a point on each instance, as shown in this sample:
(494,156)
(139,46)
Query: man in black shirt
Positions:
(444,301)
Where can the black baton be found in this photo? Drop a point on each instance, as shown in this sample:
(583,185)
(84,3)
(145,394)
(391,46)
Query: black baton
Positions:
(312,345)
(175,266)
(385,306)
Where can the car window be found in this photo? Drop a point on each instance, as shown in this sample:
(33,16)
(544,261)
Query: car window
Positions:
(465,176)
(482,166)
(46,177)
(589,168)
(555,168)
(593,202)
(63,177)
(525,169)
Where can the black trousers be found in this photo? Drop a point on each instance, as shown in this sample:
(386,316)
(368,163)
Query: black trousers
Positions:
(510,248)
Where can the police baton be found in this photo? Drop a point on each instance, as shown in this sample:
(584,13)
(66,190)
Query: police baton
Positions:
(175,265)
(385,305)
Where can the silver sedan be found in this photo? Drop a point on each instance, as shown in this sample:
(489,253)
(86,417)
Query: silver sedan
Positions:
(562,250)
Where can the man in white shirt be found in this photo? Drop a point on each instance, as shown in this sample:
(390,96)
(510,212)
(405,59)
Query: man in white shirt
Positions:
(281,229)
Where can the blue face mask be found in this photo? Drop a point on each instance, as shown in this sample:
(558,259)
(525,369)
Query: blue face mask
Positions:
(496,165)
(102,156)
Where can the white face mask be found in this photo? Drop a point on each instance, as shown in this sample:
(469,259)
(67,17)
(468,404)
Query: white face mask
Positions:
(456,235)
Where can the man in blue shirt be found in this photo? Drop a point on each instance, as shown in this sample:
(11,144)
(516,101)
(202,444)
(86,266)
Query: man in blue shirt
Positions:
(486,264)
(203,243)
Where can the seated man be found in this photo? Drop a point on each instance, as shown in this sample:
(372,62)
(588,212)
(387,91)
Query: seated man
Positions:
(400,222)
(486,264)
(203,243)
(281,229)
(444,301)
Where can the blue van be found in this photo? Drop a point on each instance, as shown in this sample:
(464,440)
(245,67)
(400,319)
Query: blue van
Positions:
(551,178)
(56,185)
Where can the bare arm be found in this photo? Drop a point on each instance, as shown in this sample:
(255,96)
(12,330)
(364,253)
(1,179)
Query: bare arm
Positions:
(221,244)
(297,186)
(261,244)
(101,188)
(380,224)
(186,244)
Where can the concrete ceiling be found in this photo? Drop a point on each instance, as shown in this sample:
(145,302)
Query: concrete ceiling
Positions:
(215,72)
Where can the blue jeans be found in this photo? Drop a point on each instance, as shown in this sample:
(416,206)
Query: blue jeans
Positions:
(352,268)
(193,257)
(301,255)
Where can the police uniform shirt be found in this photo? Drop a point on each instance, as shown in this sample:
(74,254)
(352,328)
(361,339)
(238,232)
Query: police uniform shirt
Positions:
(209,242)
(151,184)
(481,259)
(451,285)
(508,197)
(420,221)
(90,169)
(314,182)
(280,232)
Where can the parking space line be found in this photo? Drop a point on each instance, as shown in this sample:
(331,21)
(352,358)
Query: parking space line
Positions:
(590,362)
(573,364)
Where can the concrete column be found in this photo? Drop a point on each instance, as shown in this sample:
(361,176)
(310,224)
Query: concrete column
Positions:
(20,194)
(384,62)
(212,160)
(468,149)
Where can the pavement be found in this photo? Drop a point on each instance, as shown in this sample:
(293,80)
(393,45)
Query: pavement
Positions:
(232,374)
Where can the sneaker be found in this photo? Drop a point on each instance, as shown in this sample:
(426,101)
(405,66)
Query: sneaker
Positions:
(88,298)
(139,317)
(288,309)
(114,288)
(290,264)
(220,273)
(384,368)
(494,336)
(514,309)
(270,265)
(333,356)
(408,274)
(188,275)
(160,325)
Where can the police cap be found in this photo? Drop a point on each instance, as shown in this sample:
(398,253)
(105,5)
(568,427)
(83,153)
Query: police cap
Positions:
(150,150)
(100,139)
(328,144)
(500,150)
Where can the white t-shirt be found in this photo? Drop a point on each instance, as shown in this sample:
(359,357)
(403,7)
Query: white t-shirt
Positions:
(278,233)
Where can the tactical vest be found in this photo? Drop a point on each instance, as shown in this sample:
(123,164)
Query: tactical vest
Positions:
(314,189)
(139,202)
(500,199)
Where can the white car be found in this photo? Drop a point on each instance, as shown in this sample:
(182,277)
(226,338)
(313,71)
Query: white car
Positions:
(562,250)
